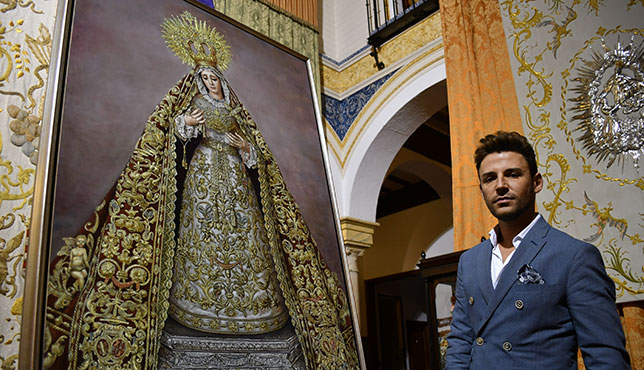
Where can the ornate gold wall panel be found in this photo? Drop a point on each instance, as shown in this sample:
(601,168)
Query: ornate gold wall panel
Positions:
(581,98)
(25,46)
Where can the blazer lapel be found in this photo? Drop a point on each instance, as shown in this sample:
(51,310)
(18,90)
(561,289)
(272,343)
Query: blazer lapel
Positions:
(483,262)
(524,254)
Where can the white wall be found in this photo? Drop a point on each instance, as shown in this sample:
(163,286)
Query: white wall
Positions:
(344,28)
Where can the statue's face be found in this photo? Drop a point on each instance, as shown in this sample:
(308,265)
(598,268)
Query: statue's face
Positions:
(213,84)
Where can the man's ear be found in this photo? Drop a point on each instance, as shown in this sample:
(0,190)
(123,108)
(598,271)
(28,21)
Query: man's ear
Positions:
(537,182)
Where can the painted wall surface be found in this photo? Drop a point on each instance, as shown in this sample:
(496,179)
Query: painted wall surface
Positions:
(579,79)
(25,48)
(402,236)
(344,29)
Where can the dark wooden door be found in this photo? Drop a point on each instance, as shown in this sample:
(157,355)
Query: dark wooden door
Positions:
(392,340)
(418,345)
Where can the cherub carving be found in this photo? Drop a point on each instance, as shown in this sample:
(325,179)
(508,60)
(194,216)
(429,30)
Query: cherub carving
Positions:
(78,261)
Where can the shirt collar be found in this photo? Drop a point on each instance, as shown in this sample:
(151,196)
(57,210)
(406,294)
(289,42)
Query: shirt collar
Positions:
(517,239)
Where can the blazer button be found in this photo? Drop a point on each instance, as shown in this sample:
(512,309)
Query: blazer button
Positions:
(480,341)
(471,301)
(507,346)
(518,304)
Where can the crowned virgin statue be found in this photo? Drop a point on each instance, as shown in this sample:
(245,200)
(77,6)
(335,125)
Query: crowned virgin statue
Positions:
(186,231)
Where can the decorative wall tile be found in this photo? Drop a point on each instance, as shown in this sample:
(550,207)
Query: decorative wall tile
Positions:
(341,113)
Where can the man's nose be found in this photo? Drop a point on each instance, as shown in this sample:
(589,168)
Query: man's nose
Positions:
(501,185)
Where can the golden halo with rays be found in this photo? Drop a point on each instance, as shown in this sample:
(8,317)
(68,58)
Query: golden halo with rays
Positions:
(195,42)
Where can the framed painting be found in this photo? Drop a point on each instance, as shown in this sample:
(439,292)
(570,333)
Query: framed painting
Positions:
(183,183)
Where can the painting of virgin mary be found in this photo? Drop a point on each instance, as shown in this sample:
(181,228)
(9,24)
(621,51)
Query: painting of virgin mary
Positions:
(200,225)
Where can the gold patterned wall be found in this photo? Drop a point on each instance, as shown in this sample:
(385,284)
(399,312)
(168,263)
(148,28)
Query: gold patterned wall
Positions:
(578,72)
(25,46)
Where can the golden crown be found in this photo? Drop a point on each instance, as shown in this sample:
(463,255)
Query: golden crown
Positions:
(195,42)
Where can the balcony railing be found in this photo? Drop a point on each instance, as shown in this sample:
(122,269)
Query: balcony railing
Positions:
(388,18)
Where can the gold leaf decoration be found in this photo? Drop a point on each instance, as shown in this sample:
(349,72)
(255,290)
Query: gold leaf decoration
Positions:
(195,42)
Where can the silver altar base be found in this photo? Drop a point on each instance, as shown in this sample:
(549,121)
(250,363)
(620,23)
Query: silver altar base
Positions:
(184,348)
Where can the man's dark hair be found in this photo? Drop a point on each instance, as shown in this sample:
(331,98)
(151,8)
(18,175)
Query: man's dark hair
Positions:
(502,141)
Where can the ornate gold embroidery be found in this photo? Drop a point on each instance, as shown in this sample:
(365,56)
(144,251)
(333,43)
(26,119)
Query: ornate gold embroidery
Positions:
(123,302)
(558,187)
(535,76)
(317,304)
(632,3)
(224,281)
(22,97)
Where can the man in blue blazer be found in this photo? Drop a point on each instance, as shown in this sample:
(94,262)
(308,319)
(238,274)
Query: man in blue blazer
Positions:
(530,295)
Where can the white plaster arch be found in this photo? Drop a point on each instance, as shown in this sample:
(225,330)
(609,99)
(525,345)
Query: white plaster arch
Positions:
(444,244)
(415,96)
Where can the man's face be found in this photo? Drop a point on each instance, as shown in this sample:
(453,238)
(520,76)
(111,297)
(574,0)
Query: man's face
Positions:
(507,186)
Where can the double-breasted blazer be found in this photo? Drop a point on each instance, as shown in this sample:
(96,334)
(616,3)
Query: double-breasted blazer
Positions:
(536,326)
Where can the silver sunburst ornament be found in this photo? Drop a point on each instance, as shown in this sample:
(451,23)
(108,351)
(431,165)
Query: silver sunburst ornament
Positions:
(610,103)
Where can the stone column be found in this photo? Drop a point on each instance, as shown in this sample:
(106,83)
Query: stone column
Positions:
(358,237)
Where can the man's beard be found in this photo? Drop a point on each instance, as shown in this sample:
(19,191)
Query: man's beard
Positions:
(513,215)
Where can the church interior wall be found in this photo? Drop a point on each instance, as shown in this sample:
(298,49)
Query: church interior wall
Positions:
(344,29)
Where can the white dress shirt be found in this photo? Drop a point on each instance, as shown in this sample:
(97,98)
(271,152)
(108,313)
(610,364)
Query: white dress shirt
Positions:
(497,264)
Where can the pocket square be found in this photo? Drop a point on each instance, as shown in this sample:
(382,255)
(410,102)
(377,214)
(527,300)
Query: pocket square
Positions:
(528,275)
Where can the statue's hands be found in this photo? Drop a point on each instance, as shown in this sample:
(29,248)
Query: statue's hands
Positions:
(195,117)
(238,141)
